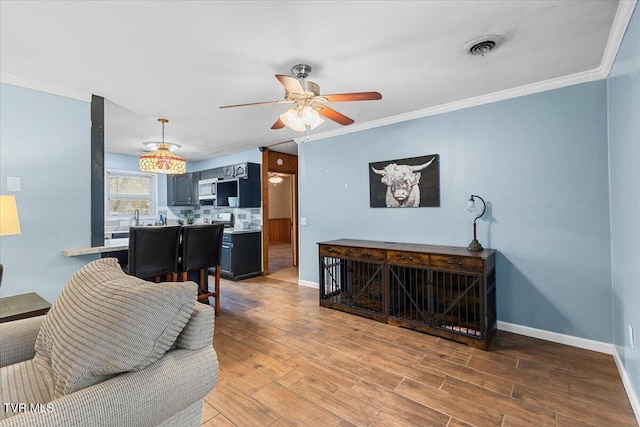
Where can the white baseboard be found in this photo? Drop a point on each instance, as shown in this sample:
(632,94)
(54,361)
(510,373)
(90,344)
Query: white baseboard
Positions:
(308,284)
(633,398)
(598,346)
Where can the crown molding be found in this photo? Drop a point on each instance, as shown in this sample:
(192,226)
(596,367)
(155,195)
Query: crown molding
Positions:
(556,83)
(45,87)
(618,28)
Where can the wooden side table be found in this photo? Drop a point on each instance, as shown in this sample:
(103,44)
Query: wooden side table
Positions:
(22,306)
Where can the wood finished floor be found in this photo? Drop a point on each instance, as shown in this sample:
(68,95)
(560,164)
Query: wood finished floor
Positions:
(280,257)
(286,361)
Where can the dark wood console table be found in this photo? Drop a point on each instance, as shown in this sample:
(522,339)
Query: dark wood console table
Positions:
(441,290)
(22,306)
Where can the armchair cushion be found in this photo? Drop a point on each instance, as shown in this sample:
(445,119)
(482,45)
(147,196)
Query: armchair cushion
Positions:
(105,323)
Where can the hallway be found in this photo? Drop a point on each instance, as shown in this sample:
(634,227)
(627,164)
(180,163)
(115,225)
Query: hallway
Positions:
(281,263)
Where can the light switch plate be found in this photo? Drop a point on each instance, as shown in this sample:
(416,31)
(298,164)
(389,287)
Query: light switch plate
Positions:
(303,220)
(13,183)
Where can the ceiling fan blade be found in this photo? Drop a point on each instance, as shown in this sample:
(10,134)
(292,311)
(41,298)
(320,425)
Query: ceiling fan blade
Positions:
(291,84)
(335,116)
(356,96)
(278,124)
(258,103)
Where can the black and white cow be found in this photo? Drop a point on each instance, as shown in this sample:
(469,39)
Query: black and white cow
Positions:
(402,184)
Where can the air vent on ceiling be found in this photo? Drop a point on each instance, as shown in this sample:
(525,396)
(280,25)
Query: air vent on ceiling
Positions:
(484,45)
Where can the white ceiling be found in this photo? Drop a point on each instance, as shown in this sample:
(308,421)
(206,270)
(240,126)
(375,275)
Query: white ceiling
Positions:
(184,59)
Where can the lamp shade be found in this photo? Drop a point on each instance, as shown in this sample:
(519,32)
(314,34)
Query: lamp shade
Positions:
(471,205)
(9,221)
(293,120)
(162,161)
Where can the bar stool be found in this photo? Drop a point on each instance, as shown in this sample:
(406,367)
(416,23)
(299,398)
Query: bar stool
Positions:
(153,252)
(201,250)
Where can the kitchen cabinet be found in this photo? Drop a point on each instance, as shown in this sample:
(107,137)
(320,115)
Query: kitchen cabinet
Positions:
(441,290)
(239,170)
(245,186)
(241,256)
(182,189)
(212,173)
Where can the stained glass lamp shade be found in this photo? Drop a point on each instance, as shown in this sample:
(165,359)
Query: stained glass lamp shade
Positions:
(162,160)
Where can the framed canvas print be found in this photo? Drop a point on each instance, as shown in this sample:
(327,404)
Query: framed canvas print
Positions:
(405,183)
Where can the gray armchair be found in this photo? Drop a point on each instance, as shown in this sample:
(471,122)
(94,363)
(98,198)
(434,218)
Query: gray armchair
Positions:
(113,350)
(168,392)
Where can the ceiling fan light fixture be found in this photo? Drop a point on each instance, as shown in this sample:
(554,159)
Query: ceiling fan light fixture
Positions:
(292,118)
(308,102)
(310,115)
(317,123)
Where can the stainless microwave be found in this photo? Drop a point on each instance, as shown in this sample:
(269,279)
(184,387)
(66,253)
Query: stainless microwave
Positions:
(207,189)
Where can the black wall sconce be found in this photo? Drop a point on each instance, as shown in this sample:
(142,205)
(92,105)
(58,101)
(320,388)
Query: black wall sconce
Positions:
(471,207)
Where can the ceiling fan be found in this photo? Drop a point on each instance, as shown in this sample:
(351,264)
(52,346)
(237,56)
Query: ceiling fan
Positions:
(309,103)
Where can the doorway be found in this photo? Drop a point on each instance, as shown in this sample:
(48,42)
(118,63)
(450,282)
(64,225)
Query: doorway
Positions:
(280,215)
(280,222)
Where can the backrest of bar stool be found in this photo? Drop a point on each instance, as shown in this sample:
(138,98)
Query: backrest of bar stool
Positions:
(201,247)
(153,251)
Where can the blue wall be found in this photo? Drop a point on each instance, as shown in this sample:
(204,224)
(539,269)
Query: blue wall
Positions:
(46,141)
(540,161)
(624,160)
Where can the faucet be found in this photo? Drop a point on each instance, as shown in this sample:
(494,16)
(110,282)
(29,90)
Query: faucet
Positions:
(136,217)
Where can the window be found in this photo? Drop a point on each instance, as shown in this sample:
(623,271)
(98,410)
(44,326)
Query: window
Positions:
(128,191)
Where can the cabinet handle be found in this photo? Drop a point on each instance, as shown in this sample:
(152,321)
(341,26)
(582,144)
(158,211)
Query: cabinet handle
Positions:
(406,258)
(456,262)
(365,254)
(329,250)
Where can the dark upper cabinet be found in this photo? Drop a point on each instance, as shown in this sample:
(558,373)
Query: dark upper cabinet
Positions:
(243,183)
(182,190)
(212,173)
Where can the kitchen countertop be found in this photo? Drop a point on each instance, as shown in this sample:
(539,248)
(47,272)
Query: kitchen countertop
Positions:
(114,245)
(241,231)
(111,245)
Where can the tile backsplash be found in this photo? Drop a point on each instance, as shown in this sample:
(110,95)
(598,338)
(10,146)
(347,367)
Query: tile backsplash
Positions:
(251,218)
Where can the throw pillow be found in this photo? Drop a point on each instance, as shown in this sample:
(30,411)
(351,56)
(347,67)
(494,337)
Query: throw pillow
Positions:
(106,322)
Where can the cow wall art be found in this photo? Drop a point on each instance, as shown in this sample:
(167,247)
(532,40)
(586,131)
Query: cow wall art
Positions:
(405,183)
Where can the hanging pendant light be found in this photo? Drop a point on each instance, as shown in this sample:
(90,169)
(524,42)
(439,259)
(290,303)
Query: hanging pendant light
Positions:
(162,160)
